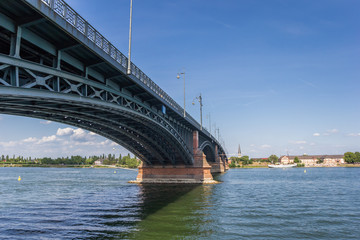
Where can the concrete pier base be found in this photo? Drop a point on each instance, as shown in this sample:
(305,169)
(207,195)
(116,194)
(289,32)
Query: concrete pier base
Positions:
(199,173)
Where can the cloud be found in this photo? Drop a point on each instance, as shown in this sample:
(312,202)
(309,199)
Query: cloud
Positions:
(354,134)
(265,146)
(30,140)
(77,134)
(316,134)
(64,131)
(80,135)
(47,139)
(330,132)
(65,142)
(300,142)
(45,122)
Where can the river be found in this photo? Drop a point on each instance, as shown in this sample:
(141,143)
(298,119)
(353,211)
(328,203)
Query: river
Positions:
(69,203)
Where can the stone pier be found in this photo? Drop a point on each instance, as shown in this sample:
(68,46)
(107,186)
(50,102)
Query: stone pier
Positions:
(198,173)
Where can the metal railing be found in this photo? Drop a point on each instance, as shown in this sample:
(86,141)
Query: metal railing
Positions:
(61,8)
(73,18)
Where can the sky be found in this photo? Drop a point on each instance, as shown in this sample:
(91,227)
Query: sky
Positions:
(277,77)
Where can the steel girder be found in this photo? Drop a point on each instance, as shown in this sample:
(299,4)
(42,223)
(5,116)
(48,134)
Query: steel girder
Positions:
(26,86)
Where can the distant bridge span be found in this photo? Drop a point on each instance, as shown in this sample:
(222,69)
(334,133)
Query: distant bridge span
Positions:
(54,65)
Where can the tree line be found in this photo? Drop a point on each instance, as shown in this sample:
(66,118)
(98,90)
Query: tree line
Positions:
(245,160)
(77,160)
(350,157)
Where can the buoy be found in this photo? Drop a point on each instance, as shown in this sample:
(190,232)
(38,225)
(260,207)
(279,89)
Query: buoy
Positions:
(19,179)
(114,171)
(305,171)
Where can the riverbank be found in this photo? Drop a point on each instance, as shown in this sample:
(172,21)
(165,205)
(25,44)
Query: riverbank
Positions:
(65,166)
(314,166)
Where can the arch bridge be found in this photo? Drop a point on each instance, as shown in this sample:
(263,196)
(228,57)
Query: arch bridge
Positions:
(54,65)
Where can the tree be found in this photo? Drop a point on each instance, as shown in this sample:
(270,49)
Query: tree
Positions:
(132,163)
(296,160)
(320,160)
(232,164)
(349,157)
(273,158)
(357,157)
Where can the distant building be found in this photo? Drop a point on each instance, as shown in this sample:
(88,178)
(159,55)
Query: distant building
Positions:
(239,152)
(315,160)
(99,162)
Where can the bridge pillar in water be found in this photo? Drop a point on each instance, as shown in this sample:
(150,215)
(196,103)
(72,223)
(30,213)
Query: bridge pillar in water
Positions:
(219,166)
(198,173)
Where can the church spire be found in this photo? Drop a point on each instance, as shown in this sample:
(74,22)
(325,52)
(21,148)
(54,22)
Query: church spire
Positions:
(239,152)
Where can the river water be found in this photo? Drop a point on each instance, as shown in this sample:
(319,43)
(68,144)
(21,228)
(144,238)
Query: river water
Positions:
(68,203)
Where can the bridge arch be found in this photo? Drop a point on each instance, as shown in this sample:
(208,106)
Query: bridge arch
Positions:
(60,68)
(209,150)
(142,135)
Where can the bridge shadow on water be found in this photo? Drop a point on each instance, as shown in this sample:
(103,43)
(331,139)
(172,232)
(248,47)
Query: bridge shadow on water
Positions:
(173,211)
(162,212)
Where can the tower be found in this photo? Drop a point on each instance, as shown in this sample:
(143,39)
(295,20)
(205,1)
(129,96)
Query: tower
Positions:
(239,152)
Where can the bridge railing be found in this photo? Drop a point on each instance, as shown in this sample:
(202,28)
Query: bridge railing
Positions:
(73,18)
(61,8)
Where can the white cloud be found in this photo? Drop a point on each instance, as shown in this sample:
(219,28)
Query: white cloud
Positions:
(265,146)
(354,134)
(64,131)
(316,134)
(45,122)
(300,142)
(30,140)
(80,135)
(68,141)
(47,139)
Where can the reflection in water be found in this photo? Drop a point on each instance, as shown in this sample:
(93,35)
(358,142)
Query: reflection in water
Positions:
(174,211)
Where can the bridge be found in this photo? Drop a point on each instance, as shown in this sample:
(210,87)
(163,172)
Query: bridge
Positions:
(54,65)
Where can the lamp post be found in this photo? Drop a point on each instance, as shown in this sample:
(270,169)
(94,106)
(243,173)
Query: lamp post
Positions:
(199,98)
(178,76)
(128,72)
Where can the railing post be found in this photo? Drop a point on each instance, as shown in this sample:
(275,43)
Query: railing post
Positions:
(52,4)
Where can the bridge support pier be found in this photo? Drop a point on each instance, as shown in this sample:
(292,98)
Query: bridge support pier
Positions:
(199,173)
(218,166)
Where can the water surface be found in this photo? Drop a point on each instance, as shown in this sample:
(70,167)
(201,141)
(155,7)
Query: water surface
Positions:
(66,203)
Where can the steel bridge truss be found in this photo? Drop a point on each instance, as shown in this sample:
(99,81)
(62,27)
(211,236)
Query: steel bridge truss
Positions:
(93,106)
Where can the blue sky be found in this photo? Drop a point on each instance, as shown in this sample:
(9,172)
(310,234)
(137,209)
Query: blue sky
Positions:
(276,76)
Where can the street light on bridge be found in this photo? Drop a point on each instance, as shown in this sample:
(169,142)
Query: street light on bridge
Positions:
(128,72)
(199,98)
(178,76)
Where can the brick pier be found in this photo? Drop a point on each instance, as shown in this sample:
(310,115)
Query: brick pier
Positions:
(198,173)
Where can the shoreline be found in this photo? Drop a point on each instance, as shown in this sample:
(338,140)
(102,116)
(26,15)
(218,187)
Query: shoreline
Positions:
(337,166)
(65,166)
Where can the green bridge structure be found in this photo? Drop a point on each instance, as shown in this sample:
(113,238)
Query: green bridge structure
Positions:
(54,65)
